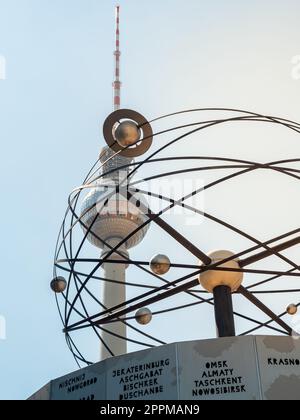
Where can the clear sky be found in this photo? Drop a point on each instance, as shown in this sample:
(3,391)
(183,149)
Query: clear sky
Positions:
(176,54)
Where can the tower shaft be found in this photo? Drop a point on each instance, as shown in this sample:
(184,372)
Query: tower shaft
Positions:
(113,295)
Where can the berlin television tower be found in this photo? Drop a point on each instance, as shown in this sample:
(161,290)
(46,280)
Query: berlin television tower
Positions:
(114,221)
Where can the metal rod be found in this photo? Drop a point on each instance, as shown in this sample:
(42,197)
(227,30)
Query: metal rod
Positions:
(149,301)
(264,254)
(174,234)
(224,311)
(248,295)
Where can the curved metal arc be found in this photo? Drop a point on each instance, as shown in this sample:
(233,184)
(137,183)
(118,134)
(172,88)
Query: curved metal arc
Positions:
(217,122)
(241,111)
(187,266)
(78,273)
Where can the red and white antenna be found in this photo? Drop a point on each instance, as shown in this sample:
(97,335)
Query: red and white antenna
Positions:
(117,84)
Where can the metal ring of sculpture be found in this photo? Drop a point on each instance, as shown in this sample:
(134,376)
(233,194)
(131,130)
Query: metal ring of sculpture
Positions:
(116,117)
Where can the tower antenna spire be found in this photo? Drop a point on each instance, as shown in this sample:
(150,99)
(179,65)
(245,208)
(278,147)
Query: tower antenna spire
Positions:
(117,54)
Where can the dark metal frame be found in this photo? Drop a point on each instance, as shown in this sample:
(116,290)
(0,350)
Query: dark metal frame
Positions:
(67,260)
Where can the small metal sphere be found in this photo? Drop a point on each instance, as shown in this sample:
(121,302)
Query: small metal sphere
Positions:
(160,264)
(58,284)
(292,309)
(127,133)
(143,316)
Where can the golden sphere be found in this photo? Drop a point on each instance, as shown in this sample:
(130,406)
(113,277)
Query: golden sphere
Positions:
(292,309)
(211,279)
(143,316)
(127,134)
(58,284)
(160,264)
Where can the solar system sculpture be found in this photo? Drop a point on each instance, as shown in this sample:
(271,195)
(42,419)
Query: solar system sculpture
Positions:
(111,213)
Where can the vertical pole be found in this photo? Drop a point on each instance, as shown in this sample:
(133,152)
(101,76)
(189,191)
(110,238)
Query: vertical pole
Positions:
(224,311)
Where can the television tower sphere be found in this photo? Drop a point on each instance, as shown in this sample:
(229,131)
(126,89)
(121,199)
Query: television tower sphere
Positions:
(143,316)
(110,215)
(211,279)
(127,133)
